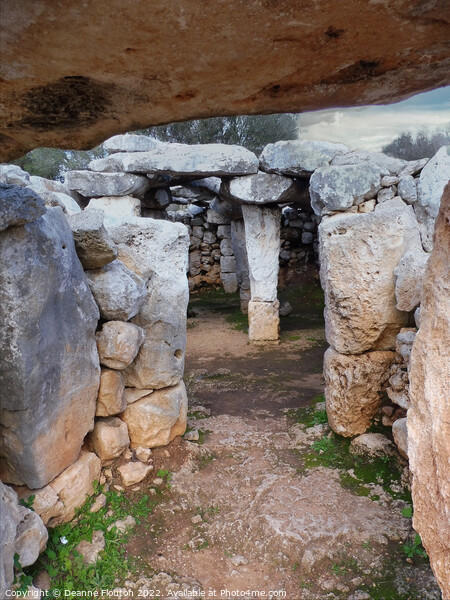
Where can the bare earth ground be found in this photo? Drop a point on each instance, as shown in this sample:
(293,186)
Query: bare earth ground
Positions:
(245,511)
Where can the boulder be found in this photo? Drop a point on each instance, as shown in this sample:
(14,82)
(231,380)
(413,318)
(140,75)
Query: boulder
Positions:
(408,278)
(229,282)
(91,184)
(50,185)
(227,264)
(298,158)
(94,247)
(181,160)
(433,178)
(374,445)
(118,291)
(263,320)
(90,550)
(22,532)
(400,434)
(68,205)
(18,205)
(388,164)
(49,375)
(155,420)
(262,239)
(359,253)
(353,389)
(56,502)
(118,344)
(134,394)
(130,143)
(407,189)
(111,399)
(261,188)
(115,208)
(336,188)
(13,175)
(218,218)
(133,472)
(109,438)
(429,416)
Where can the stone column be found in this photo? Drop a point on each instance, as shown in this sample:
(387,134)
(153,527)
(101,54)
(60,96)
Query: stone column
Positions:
(262,240)
(240,255)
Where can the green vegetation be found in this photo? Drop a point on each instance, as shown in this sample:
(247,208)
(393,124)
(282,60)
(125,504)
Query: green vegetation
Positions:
(52,163)
(424,144)
(239,320)
(66,566)
(415,548)
(309,415)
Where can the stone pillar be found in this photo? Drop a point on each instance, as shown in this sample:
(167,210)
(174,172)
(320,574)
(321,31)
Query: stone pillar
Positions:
(262,240)
(240,255)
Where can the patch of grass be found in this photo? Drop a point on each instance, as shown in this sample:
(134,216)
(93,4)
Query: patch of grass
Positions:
(238,320)
(65,565)
(333,451)
(191,324)
(308,415)
(415,548)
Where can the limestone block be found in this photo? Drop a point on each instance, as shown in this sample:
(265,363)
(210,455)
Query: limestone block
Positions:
(133,472)
(18,205)
(263,320)
(262,239)
(41,183)
(433,178)
(115,208)
(407,189)
(156,419)
(298,158)
(359,253)
(110,437)
(386,193)
(429,416)
(91,184)
(408,278)
(261,188)
(388,164)
(182,160)
(353,388)
(133,394)
(339,188)
(193,193)
(118,291)
(240,254)
(130,143)
(209,237)
(13,175)
(22,532)
(68,205)
(94,247)
(111,399)
(400,433)
(224,231)
(226,247)
(90,550)
(118,344)
(217,218)
(228,264)
(373,445)
(49,373)
(229,282)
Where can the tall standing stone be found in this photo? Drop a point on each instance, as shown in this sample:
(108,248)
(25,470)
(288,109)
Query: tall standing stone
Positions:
(429,416)
(240,255)
(49,373)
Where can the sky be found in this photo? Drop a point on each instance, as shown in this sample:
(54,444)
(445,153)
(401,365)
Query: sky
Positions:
(371,127)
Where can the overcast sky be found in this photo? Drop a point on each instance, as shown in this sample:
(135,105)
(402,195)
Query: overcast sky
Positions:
(371,127)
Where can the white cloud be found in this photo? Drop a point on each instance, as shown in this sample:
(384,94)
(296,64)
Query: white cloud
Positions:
(371,127)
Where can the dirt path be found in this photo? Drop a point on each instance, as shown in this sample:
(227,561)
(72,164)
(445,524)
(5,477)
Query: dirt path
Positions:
(268,500)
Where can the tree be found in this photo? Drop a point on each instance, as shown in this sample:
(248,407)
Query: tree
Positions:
(423,144)
(252,132)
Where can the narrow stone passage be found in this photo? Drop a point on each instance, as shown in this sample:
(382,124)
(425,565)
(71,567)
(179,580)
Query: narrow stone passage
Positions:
(267,499)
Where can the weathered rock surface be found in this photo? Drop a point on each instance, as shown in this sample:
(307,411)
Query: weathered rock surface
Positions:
(22,532)
(262,239)
(110,437)
(133,472)
(111,399)
(115,208)
(263,320)
(433,178)
(56,502)
(429,415)
(118,291)
(227,208)
(56,198)
(118,344)
(130,143)
(359,253)
(177,161)
(18,205)
(157,198)
(407,189)
(156,419)
(386,163)
(90,550)
(298,158)
(338,188)
(353,387)
(408,277)
(400,433)
(13,175)
(49,375)
(94,247)
(373,445)
(240,255)
(261,188)
(95,185)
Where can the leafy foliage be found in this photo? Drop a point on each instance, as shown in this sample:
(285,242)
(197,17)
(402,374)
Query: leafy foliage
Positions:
(252,132)
(421,145)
